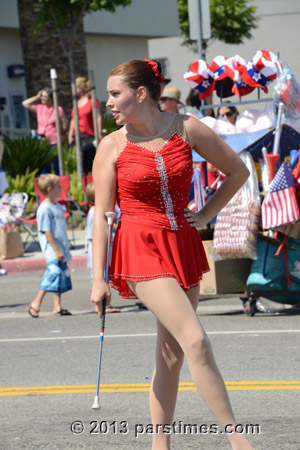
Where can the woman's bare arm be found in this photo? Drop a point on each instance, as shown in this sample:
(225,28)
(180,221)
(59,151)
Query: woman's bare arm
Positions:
(99,122)
(30,103)
(104,176)
(71,131)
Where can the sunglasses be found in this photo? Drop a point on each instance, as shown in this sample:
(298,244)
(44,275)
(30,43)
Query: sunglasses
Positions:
(227,114)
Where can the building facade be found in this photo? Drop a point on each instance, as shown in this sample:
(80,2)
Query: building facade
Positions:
(107,39)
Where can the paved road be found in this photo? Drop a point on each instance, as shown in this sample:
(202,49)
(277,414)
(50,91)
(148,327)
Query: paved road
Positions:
(49,371)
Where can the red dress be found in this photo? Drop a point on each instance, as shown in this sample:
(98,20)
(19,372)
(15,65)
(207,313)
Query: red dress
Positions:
(153,238)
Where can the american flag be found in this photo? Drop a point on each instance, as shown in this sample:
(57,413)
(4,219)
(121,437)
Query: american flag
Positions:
(198,189)
(280,204)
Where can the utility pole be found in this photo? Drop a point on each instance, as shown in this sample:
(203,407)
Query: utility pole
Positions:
(53,76)
(199,22)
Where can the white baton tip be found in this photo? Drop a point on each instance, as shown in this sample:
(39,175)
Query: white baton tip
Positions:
(110,217)
(96,404)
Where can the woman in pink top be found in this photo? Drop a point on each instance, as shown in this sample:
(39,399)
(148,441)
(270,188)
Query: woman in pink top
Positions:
(42,105)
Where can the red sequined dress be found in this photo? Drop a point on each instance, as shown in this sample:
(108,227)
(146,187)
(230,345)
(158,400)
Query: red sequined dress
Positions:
(153,238)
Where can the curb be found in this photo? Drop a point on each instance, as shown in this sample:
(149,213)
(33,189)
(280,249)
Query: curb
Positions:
(24,265)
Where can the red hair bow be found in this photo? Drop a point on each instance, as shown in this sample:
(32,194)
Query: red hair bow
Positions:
(154,67)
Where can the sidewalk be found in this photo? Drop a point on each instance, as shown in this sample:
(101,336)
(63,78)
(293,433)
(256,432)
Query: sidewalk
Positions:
(33,260)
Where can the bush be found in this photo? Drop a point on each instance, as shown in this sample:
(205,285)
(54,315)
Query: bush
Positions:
(69,155)
(26,153)
(76,190)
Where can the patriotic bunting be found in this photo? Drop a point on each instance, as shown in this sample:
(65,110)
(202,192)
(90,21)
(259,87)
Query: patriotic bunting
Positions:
(258,72)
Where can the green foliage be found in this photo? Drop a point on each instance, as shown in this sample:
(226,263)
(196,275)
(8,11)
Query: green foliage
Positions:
(235,20)
(76,190)
(64,12)
(26,153)
(108,122)
(22,183)
(232,21)
(69,155)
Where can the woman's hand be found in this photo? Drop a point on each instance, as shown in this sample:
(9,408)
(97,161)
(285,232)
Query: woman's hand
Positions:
(195,219)
(100,291)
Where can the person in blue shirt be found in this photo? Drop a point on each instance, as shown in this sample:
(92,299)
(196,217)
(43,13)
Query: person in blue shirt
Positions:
(53,239)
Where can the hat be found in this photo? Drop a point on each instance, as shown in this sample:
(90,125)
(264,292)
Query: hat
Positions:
(261,70)
(233,67)
(201,78)
(171,92)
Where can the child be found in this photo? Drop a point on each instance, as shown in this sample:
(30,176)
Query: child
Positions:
(90,196)
(53,238)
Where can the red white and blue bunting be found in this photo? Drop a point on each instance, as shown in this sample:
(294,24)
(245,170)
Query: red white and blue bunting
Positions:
(260,71)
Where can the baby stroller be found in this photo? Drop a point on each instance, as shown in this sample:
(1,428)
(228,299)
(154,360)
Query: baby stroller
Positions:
(275,274)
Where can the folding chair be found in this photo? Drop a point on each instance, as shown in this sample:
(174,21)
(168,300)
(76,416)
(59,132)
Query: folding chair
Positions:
(30,226)
(69,202)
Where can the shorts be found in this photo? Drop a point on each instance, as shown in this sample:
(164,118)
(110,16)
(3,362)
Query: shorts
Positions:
(57,278)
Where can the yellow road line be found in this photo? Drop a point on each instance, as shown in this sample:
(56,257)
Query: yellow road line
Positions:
(143,387)
(122,385)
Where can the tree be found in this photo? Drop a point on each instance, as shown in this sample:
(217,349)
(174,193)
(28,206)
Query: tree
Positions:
(66,17)
(232,21)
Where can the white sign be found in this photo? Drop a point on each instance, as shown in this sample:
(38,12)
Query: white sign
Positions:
(199,19)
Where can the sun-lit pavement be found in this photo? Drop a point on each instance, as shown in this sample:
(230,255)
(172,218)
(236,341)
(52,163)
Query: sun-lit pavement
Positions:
(49,372)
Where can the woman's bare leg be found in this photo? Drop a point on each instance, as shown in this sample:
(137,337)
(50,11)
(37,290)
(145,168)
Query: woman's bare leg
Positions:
(174,311)
(164,386)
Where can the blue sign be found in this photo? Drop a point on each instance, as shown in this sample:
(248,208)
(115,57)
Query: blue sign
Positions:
(15,71)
